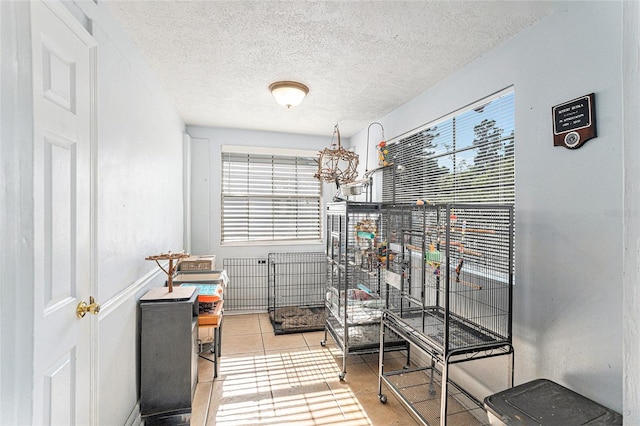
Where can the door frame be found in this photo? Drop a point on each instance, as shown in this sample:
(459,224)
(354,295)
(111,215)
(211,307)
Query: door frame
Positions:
(16,215)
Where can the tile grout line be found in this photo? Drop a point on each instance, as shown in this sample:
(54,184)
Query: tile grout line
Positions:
(206,411)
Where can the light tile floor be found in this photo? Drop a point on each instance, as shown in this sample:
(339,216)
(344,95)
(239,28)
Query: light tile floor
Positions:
(291,379)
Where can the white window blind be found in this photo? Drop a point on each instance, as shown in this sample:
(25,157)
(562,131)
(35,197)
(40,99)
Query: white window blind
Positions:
(269,197)
(465,158)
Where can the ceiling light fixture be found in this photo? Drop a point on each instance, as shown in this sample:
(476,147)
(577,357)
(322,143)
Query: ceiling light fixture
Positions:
(288,93)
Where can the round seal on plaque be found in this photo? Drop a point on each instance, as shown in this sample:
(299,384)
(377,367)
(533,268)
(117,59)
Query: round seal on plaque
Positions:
(572,139)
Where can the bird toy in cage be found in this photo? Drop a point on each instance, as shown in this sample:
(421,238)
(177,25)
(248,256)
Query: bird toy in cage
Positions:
(365,232)
(365,229)
(336,164)
(172,268)
(461,249)
(383,153)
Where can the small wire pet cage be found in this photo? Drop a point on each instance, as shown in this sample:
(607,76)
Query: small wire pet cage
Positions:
(247,291)
(296,291)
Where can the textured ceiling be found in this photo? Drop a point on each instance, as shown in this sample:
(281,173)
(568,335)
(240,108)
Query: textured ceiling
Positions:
(360,59)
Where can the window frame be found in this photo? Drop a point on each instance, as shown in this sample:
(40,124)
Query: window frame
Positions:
(261,153)
(392,180)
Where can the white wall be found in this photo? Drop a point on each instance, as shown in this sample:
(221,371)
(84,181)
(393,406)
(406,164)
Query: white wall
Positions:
(568,295)
(631,216)
(205,192)
(139,170)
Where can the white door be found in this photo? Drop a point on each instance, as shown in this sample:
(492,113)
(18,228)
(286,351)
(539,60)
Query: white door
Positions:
(63,55)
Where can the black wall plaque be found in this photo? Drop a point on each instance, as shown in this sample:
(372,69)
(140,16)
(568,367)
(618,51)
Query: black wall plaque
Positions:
(574,122)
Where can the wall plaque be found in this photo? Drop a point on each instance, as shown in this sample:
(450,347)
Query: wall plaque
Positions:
(574,122)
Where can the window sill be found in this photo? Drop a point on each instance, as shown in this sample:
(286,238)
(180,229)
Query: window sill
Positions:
(271,243)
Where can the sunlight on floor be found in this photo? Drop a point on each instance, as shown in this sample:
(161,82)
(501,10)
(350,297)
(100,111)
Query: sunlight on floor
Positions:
(286,388)
(290,379)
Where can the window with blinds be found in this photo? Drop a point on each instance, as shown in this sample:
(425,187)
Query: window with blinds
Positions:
(468,157)
(269,197)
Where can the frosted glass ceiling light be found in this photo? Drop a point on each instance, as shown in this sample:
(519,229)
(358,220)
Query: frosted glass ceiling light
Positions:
(288,93)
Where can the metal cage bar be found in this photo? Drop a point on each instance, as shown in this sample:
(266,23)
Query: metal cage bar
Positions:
(248,284)
(453,299)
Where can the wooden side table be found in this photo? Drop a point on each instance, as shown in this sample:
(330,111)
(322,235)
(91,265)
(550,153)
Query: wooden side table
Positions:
(213,347)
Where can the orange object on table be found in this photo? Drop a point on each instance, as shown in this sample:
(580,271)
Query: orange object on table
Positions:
(213,316)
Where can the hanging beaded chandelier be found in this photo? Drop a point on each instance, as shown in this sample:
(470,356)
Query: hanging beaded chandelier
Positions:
(336,164)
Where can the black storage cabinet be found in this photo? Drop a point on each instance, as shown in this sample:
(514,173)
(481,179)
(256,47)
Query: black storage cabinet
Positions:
(543,402)
(168,350)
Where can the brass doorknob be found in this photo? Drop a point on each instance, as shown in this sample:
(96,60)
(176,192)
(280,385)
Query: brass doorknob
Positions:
(83,308)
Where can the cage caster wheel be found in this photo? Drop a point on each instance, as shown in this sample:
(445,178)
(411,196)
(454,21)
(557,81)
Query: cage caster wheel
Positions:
(405,367)
(383,398)
(323,343)
(341,376)
(432,392)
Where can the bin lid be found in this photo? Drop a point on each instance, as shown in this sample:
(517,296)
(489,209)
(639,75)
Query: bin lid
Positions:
(543,402)
(207,292)
(215,277)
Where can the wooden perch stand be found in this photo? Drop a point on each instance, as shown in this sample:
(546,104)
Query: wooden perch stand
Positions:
(172,268)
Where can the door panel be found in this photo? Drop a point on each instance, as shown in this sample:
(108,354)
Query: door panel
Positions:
(58,382)
(59,162)
(62,89)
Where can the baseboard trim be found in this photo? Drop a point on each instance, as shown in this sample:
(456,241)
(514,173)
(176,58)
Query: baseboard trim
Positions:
(134,419)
